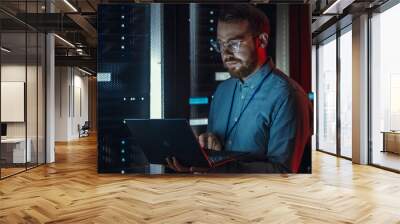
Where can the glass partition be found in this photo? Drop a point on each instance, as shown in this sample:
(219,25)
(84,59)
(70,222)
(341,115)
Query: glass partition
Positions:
(41,96)
(31,99)
(327,96)
(22,79)
(346,93)
(385,89)
(14,152)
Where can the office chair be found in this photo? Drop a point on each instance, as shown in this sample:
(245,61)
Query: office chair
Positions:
(84,130)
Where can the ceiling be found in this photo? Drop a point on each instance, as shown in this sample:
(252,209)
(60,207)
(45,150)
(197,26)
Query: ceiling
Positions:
(75,20)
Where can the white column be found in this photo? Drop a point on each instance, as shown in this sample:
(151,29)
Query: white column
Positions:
(50,99)
(360,90)
(50,92)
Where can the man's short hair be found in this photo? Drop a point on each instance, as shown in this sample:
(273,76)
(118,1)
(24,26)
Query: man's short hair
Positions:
(258,21)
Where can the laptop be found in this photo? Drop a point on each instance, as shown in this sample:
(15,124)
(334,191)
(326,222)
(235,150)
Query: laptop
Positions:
(162,138)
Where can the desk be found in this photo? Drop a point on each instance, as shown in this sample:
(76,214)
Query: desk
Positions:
(16,147)
(391,141)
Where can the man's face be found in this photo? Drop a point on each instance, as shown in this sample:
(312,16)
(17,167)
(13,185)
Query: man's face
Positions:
(242,63)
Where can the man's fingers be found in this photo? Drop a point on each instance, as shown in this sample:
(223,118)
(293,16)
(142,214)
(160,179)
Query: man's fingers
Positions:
(202,140)
(213,143)
(176,164)
(217,146)
(210,141)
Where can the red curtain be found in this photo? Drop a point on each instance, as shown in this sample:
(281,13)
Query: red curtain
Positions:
(300,45)
(300,70)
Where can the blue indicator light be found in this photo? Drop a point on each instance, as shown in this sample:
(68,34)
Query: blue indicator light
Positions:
(198,100)
(311,96)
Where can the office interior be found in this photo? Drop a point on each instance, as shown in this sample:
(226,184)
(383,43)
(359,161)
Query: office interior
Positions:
(50,78)
(337,86)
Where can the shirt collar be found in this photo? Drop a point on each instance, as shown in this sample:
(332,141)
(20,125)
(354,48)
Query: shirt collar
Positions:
(255,78)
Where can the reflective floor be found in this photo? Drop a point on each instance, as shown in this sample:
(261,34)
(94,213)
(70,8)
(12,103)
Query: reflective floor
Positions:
(71,191)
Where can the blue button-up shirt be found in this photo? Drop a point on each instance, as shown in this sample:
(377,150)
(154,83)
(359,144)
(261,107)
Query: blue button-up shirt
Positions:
(269,125)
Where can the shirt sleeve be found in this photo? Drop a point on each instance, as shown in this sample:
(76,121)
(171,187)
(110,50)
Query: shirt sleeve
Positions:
(283,129)
(281,142)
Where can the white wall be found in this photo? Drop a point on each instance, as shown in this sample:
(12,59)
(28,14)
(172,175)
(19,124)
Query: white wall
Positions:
(16,73)
(71,93)
(33,127)
(80,112)
(61,103)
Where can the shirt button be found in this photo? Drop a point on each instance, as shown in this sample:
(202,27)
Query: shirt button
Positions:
(242,97)
(230,142)
(236,119)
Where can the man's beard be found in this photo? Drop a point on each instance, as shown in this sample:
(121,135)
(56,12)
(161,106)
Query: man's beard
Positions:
(241,70)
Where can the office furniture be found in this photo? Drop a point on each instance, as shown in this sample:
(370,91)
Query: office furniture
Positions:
(391,141)
(13,150)
(84,130)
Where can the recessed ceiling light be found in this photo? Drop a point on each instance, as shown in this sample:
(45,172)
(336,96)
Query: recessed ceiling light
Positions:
(70,5)
(64,40)
(337,6)
(84,71)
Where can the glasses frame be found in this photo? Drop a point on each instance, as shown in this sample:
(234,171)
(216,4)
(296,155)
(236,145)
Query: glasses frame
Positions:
(231,45)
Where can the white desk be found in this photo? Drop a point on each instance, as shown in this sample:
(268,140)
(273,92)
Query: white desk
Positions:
(18,149)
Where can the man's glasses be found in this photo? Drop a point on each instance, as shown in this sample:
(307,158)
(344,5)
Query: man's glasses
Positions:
(232,45)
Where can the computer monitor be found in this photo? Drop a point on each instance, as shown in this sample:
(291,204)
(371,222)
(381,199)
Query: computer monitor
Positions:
(3,129)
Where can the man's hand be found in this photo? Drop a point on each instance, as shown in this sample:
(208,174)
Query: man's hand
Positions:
(210,141)
(176,166)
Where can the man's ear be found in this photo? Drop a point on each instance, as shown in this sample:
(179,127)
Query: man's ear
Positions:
(263,40)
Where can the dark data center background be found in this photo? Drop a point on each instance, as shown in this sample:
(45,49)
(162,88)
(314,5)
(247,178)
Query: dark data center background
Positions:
(189,67)
(123,83)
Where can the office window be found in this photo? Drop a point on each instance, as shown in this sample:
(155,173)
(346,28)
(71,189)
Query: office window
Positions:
(346,93)
(14,143)
(385,88)
(22,93)
(31,100)
(314,90)
(327,96)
